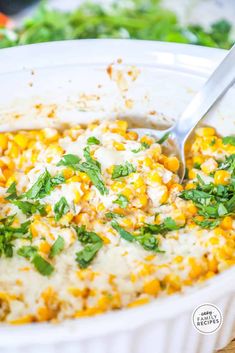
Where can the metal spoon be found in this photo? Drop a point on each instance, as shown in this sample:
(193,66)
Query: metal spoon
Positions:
(215,87)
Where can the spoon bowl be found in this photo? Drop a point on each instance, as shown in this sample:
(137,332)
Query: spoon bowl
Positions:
(215,87)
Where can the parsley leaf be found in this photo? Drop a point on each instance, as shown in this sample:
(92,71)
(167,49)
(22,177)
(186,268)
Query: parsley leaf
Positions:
(112,215)
(123,170)
(69,160)
(61,208)
(147,240)
(143,146)
(27,251)
(57,247)
(122,232)
(93,169)
(212,201)
(163,138)
(43,186)
(43,266)
(228,164)
(122,201)
(92,244)
(163,228)
(12,192)
(31,254)
(229,140)
(29,208)
(93,141)
(8,234)
(207,223)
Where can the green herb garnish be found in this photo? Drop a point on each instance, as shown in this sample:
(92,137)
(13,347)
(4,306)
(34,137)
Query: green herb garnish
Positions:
(123,170)
(163,138)
(70,160)
(61,208)
(8,234)
(31,254)
(229,140)
(12,192)
(146,239)
(122,201)
(43,186)
(57,247)
(213,201)
(29,208)
(207,223)
(93,141)
(93,169)
(112,215)
(92,244)
(138,19)
(143,147)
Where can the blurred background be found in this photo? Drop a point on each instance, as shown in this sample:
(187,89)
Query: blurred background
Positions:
(202,22)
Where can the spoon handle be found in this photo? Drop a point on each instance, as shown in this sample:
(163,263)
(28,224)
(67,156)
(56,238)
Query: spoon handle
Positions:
(219,82)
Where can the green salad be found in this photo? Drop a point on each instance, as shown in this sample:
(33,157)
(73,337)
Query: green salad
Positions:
(137,19)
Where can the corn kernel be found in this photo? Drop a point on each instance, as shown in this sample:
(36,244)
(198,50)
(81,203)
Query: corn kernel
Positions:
(13,150)
(152,287)
(222,177)
(172,164)
(205,131)
(132,135)
(165,195)
(192,174)
(147,139)
(44,247)
(154,177)
(118,146)
(21,140)
(3,141)
(227,223)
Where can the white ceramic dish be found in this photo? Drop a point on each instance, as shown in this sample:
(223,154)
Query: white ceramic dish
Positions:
(70,80)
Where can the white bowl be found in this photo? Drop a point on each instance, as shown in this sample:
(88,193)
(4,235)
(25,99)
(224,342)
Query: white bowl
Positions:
(70,79)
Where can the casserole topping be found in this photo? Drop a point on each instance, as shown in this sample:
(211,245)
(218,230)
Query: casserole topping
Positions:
(94,219)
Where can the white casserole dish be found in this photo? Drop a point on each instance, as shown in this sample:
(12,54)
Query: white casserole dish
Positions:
(52,84)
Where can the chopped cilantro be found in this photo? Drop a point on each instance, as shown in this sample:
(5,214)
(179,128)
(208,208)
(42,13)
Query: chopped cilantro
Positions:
(8,234)
(147,240)
(212,201)
(122,201)
(123,170)
(122,232)
(93,169)
(207,223)
(27,251)
(229,140)
(93,141)
(92,244)
(197,166)
(57,247)
(12,192)
(143,146)
(212,143)
(43,186)
(43,266)
(112,215)
(163,138)
(61,208)
(163,228)
(69,160)
(29,208)
(31,254)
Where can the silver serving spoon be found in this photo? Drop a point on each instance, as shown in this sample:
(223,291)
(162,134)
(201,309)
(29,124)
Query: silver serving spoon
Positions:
(215,87)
